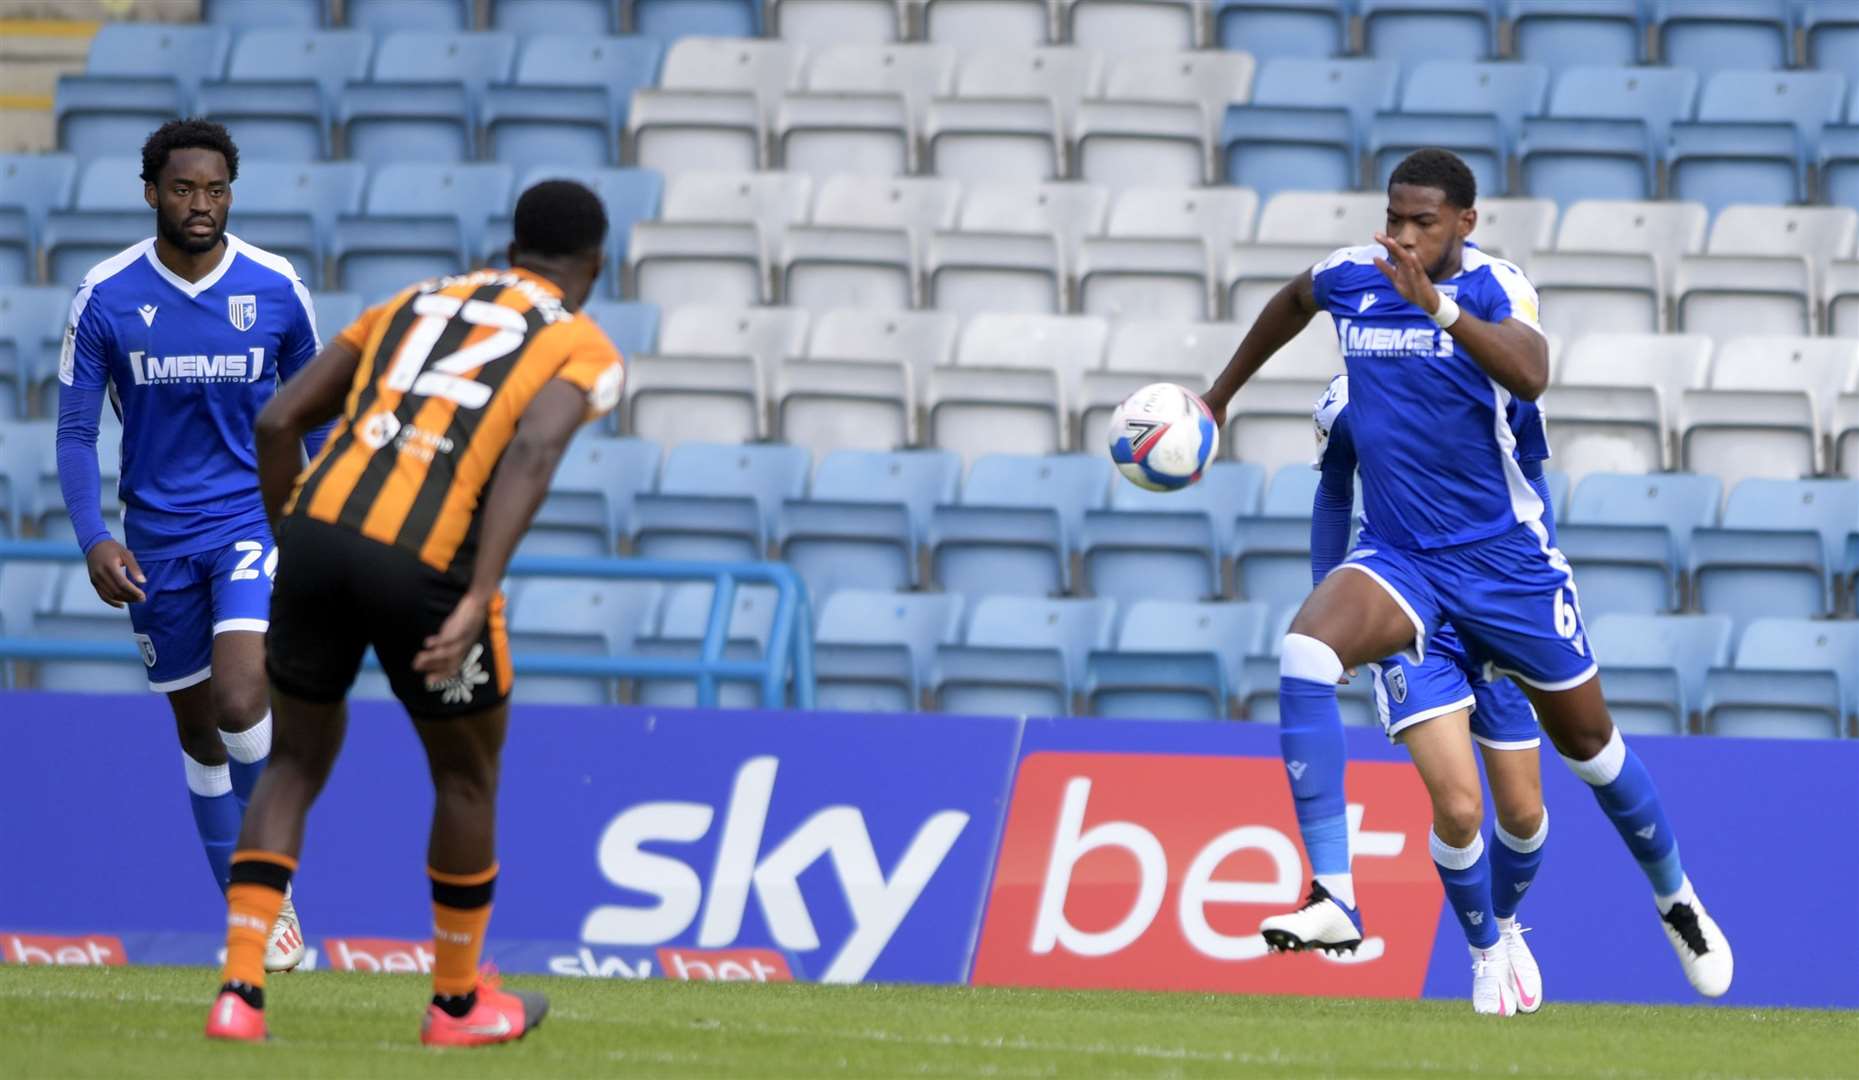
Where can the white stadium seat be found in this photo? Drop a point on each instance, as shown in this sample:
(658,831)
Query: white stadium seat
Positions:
(762,67)
(1597,292)
(920,340)
(1060,75)
(1213,80)
(1822,233)
(1068,345)
(1220,216)
(837,22)
(1729,296)
(969,273)
(771,201)
(1135,143)
(766,335)
(1268,423)
(1255,272)
(917,72)
(920,204)
(1513,228)
(993,139)
(1067,209)
(1669,363)
(671,264)
(978,411)
(678,130)
(821,267)
(1823,367)
(828,405)
(827,134)
(1129,25)
(1147,348)
(1737,434)
(1130,278)
(970,24)
(677,399)
(1332,219)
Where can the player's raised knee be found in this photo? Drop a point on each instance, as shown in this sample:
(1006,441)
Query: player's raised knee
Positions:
(1457,815)
(1310,659)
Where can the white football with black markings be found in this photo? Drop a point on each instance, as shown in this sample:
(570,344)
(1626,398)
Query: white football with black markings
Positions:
(1162,437)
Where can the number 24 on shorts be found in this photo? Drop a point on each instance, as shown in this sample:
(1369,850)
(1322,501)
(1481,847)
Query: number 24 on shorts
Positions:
(250,551)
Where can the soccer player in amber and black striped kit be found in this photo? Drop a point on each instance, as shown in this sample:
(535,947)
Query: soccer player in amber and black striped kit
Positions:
(396,536)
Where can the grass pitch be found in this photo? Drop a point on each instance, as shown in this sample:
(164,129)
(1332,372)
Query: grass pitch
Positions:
(145,1022)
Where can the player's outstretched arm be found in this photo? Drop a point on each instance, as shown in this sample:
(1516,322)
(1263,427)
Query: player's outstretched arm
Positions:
(314,397)
(1284,317)
(1512,352)
(542,436)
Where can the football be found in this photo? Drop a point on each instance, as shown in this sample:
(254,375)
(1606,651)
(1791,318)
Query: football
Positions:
(1162,437)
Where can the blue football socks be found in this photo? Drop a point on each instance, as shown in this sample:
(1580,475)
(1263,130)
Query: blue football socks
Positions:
(1466,873)
(1627,796)
(217,814)
(1515,862)
(1310,736)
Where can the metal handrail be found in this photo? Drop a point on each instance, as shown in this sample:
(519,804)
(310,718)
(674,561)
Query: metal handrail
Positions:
(789,651)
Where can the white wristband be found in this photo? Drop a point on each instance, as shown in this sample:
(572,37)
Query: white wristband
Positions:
(1447,313)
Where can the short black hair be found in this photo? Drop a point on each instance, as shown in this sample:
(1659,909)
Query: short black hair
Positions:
(1441,169)
(559,217)
(192,133)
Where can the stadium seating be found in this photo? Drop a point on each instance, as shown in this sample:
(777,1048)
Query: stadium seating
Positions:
(1709,35)
(1793,679)
(1021,656)
(1653,667)
(873,651)
(1312,29)
(1776,549)
(717,502)
(1561,36)
(1629,537)
(1019,520)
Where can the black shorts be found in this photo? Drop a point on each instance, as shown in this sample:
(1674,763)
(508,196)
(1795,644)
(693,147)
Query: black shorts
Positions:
(338,592)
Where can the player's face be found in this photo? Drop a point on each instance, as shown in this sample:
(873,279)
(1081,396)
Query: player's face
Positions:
(190,200)
(1422,221)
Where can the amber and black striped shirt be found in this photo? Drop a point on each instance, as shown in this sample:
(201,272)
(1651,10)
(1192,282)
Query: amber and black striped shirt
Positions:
(447,368)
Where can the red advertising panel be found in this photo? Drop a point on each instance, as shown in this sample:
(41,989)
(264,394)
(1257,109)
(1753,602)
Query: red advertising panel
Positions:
(84,950)
(1152,871)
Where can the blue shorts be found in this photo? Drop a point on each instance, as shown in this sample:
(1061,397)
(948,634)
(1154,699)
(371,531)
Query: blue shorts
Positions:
(195,597)
(1511,599)
(1407,693)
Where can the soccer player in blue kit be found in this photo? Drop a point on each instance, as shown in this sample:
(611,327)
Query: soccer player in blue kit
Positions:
(1439,338)
(1431,708)
(189,333)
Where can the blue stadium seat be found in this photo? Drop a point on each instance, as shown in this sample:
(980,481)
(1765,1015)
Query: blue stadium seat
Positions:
(1570,160)
(1793,679)
(1021,656)
(334,312)
(1712,35)
(1018,522)
(18,259)
(22,451)
(423,122)
(1839,165)
(1719,164)
(296,15)
(1478,140)
(630,195)
(1774,553)
(72,611)
(1173,660)
(1313,29)
(1831,32)
(100,115)
(1443,29)
(1653,666)
(1807,99)
(594,487)
(1656,96)
(378,256)
(1272,561)
(76,240)
(1168,545)
(631,326)
(324,190)
(717,502)
(293,236)
(384,16)
(1364,87)
(1292,490)
(1559,34)
(111,183)
(680,633)
(275,121)
(1627,536)
(873,650)
(619,65)
(864,517)
(32,321)
(572,125)
(330,58)
(184,53)
(579,17)
(1510,91)
(470,192)
(1272,149)
(474,59)
(692,18)
(37,183)
(578,617)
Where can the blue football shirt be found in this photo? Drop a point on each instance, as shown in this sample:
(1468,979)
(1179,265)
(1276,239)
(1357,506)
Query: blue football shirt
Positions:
(187,366)
(1433,433)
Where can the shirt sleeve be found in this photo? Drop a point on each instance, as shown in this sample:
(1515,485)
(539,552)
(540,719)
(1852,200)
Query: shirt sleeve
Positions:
(1526,421)
(356,334)
(301,345)
(83,375)
(1513,297)
(1539,482)
(593,364)
(1335,499)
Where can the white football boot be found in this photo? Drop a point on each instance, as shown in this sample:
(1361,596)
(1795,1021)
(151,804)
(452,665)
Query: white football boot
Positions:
(1526,977)
(1494,988)
(1702,949)
(1322,923)
(285,948)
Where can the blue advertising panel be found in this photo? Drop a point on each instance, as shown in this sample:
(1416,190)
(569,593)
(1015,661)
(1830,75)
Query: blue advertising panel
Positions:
(854,847)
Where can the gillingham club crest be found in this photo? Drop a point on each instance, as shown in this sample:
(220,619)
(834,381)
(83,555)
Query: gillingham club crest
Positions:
(242,311)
